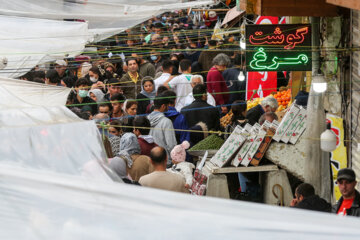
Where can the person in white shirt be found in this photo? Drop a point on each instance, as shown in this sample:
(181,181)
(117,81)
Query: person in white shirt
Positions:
(195,80)
(167,67)
(181,84)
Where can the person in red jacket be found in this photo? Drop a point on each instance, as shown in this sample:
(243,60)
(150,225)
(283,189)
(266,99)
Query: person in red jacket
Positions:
(215,81)
(141,130)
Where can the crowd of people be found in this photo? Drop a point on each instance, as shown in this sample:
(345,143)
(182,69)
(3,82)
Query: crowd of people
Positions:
(158,89)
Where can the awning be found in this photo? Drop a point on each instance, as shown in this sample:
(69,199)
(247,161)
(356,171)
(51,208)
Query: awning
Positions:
(231,15)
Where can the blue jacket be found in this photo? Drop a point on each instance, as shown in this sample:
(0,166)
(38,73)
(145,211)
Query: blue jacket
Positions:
(179,122)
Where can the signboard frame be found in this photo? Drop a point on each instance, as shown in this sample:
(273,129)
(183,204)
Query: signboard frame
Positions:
(278,47)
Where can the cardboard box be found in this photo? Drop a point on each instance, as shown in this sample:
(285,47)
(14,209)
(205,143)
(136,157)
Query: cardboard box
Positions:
(294,125)
(246,146)
(285,123)
(299,131)
(265,143)
(229,148)
(257,142)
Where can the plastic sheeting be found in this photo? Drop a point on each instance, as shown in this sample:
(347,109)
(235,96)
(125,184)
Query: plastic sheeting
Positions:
(23,94)
(33,32)
(38,132)
(26,42)
(100,14)
(38,205)
(53,186)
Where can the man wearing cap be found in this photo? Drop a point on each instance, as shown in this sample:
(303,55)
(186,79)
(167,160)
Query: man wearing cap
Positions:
(349,203)
(61,68)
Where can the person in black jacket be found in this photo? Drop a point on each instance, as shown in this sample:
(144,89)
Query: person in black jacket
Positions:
(305,198)
(80,97)
(201,111)
(236,88)
(269,104)
(349,203)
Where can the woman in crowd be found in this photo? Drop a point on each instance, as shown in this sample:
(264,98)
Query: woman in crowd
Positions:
(114,128)
(131,107)
(97,95)
(146,96)
(94,74)
(130,110)
(115,133)
(137,165)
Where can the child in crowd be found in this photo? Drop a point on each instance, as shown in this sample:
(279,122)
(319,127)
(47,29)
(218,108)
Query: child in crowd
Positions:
(186,169)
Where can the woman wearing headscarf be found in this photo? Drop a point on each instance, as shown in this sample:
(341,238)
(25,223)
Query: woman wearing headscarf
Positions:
(137,165)
(97,95)
(118,166)
(147,94)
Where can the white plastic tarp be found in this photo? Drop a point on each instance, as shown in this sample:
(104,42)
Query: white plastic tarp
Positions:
(33,32)
(102,16)
(38,132)
(38,205)
(22,94)
(26,42)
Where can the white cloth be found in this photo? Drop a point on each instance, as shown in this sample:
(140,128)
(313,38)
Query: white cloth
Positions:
(185,169)
(44,205)
(27,42)
(39,132)
(161,80)
(190,98)
(105,18)
(181,86)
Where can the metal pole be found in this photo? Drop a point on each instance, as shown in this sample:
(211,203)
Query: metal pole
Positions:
(317,165)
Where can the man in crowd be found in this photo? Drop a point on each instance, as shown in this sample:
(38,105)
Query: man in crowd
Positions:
(349,203)
(161,178)
(117,103)
(105,108)
(81,98)
(113,86)
(195,80)
(161,126)
(145,68)
(269,104)
(305,198)
(181,84)
(201,111)
(178,120)
(167,67)
(61,68)
(131,81)
(52,78)
(157,60)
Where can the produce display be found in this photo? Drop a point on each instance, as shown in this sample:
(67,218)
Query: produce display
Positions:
(283,97)
(212,142)
(226,120)
(254,102)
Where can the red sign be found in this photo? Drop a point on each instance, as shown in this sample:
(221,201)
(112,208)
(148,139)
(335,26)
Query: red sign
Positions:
(263,82)
(267,20)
